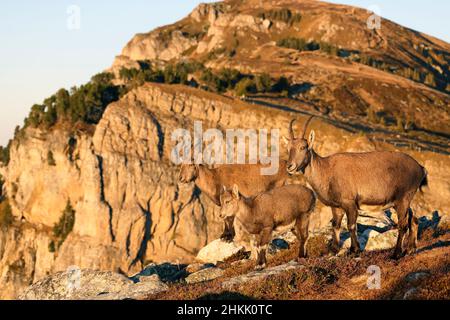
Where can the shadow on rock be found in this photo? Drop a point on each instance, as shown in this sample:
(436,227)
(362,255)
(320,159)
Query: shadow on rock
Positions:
(167,272)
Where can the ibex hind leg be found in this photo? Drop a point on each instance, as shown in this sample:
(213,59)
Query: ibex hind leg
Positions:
(402,208)
(413,229)
(261,248)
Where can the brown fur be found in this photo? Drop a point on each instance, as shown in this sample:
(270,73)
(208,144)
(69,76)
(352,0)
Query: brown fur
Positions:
(269,211)
(346,181)
(247,177)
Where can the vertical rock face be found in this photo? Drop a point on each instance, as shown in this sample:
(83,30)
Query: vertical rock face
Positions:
(123,187)
(129,208)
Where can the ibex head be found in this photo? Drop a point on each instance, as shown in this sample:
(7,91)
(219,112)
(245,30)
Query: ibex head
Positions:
(229,202)
(299,148)
(189,170)
(188,173)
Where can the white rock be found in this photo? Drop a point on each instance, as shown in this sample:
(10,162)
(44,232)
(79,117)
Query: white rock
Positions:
(218,250)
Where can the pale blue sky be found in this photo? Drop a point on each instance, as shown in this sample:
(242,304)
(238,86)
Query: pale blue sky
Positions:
(39,54)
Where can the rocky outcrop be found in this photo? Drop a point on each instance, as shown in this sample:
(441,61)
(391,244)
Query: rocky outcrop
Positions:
(123,187)
(242,280)
(219,250)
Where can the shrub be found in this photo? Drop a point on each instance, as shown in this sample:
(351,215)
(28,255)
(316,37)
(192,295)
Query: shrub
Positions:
(244,87)
(65,225)
(50,159)
(6,216)
(85,103)
(263,83)
(281,85)
(4,153)
(430,80)
(284,15)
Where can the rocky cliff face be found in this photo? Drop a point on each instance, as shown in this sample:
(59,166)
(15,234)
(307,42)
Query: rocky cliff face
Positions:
(129,208)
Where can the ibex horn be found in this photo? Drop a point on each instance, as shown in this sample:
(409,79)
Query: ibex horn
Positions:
(305,127)
(291,129)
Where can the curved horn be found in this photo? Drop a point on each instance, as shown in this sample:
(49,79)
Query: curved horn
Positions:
(305,126)
(291,129)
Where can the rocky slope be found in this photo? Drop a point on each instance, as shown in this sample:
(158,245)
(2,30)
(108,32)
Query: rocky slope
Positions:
(129,208)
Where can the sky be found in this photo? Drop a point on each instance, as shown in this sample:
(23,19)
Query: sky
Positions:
(45,47)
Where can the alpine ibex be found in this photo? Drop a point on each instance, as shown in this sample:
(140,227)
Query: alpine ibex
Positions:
(285,207)
(246,176)
(346,181)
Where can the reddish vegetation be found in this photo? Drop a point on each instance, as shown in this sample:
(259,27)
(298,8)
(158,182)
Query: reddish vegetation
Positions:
(337,277)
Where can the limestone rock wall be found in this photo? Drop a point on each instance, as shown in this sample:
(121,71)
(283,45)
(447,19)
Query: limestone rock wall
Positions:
(129,207)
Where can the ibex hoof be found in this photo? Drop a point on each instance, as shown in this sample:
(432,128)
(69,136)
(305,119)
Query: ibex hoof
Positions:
(260,267)
(411,250)
(398,255)
(353,253)
(226,238)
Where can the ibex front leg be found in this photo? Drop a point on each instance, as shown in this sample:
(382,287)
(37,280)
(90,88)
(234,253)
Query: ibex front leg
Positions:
(352,216)
(262,242)
(228,230)
(338,214)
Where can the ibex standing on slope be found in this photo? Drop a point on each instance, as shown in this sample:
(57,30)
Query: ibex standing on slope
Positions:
(346,181)
(246,176)
(284,207)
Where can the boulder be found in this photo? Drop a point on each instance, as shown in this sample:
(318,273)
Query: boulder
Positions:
(89,284)
(371,240)
(380,241)
(219,250)
(234,282)
(205,275)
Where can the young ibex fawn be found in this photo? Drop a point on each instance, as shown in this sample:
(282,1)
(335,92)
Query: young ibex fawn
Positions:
(247,177)
(347,181)
(282,207)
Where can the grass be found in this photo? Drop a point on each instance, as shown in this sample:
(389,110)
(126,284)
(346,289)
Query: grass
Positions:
(326,277)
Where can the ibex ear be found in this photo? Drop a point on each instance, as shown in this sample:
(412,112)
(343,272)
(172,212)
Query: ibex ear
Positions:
(312,137)
(224,189)
(235,192)
(285,140)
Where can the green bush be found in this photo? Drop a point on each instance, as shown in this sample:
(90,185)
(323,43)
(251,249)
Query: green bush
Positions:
(50,159)
(284,15)
(244,87)
(85,103)
(4,153)
(6,216)
(263,83)
(65,225)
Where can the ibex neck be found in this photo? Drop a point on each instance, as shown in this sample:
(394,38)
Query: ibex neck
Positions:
(207,184)
(314,170)
(244,214)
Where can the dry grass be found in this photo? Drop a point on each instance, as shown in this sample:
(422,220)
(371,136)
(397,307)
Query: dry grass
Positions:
(327,277)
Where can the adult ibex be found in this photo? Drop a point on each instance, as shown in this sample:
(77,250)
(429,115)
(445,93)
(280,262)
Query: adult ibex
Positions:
(346,181)
(246,176)
(285,207)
